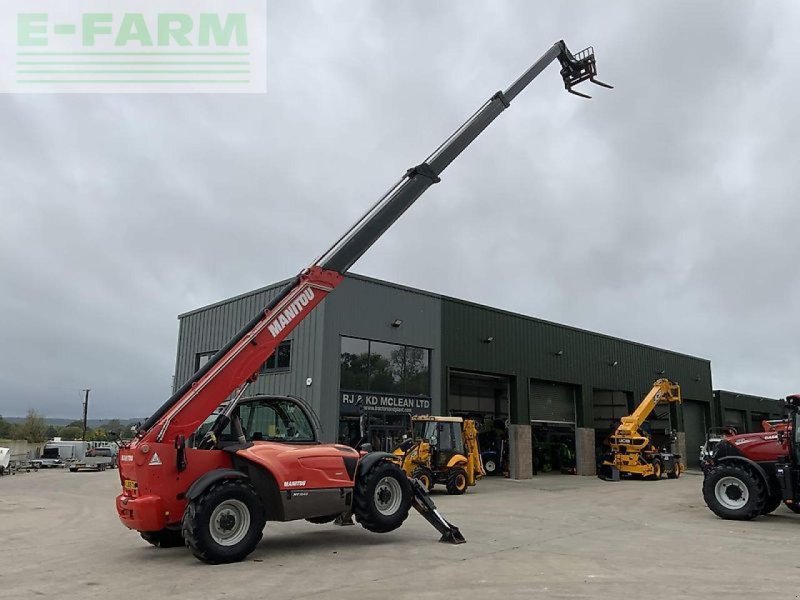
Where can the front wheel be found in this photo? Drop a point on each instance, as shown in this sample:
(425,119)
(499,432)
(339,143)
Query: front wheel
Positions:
(772,503)
(382,498)
(225,524)
(734,492)
(490,466)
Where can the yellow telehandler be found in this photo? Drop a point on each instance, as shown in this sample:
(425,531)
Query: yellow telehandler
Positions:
(442,450)
(632,451)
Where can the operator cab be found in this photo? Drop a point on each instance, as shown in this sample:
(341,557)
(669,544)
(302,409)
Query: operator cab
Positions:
(281,419)
(444,436)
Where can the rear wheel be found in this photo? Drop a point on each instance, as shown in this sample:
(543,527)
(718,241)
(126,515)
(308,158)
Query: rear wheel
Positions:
(457,481)
(224,524)
(675,472)
(734,492)
(425,477)
(490,466)
(382,498)
(166,538)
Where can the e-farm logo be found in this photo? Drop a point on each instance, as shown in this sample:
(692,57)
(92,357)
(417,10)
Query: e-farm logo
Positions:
(136,46)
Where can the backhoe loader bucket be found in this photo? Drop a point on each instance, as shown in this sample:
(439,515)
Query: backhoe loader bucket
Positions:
(578,68)
(422,502)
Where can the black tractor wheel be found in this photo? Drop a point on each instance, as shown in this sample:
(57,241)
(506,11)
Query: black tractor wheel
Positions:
(794,508)
(166,538)
(457,481)
(658,470)
(425,477)
(382,498)
(772,503)
(225,523)
(675,472)
(734,492)
(322,520)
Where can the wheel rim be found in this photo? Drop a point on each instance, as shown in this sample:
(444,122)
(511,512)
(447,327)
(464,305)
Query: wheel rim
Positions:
(731,493)
(229,522)
(461,482)
(388,496)
(489,466)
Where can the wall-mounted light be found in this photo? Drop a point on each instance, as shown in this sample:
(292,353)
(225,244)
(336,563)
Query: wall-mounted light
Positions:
(697,378)
(488,340)
(661,372)
(613,363)
(396,323)
(558,353)
(309,381)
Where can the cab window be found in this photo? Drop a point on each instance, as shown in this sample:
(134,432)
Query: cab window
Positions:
(275,420)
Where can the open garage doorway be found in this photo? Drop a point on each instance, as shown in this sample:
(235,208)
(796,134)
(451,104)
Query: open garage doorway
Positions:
(552,410)
(484,398)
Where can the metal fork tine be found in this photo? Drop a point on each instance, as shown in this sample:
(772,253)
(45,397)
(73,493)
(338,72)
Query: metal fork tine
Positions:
(600,83)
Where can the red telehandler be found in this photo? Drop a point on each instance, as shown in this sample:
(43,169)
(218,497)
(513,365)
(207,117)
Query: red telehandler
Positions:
(211,466)
(751,474)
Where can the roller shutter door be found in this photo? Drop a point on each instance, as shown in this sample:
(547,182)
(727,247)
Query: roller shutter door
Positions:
(734,418)
(695,425)
(550,401)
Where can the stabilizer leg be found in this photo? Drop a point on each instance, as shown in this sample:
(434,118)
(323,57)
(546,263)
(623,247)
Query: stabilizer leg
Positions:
(425,506)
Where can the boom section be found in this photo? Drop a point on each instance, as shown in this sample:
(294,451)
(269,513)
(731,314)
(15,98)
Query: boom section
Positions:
(663,391)
(243,360)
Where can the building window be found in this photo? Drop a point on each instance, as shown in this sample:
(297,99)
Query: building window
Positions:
(281,359)
(201,358)
(380,367)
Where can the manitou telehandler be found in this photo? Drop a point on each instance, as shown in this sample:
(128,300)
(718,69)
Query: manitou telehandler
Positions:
(442,450)
(632,451)
(751,474)
(260,459)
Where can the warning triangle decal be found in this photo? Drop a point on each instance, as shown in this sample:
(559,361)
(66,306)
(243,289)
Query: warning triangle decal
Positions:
(155,460)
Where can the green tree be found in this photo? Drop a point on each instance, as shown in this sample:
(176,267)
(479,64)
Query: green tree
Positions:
(5,428)
(98,435)
(69,433)
(52,431)
(34,428)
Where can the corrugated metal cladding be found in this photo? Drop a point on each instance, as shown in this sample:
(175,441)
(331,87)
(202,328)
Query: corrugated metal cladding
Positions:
(208,329)
(526,348)
(744,411)
(551,401)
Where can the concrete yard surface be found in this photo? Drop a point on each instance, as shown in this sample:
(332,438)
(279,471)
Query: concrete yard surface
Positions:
(551,537)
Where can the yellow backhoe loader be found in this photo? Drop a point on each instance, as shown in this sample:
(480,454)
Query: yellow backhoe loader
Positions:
(632,451)
(442,450)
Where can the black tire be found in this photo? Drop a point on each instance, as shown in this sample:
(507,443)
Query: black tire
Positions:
(322,520)
(240,511)
(166,538)
(382,498)
(794,508)
(457,481)
(73,469)
(425,477)
(675,472)
(658,470)
(772,503)
(490,466)
(734,492)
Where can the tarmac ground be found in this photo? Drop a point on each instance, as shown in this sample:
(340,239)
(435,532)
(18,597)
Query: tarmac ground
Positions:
(556,536)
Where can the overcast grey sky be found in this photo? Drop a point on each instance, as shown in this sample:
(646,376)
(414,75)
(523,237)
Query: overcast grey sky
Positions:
(663,211)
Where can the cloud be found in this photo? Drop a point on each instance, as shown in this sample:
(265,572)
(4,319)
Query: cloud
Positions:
(662,211)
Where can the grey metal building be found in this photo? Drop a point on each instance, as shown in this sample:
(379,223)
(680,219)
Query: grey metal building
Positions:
(396,350)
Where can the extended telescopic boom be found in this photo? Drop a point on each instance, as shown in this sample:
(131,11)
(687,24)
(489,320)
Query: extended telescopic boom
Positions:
(240,360)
